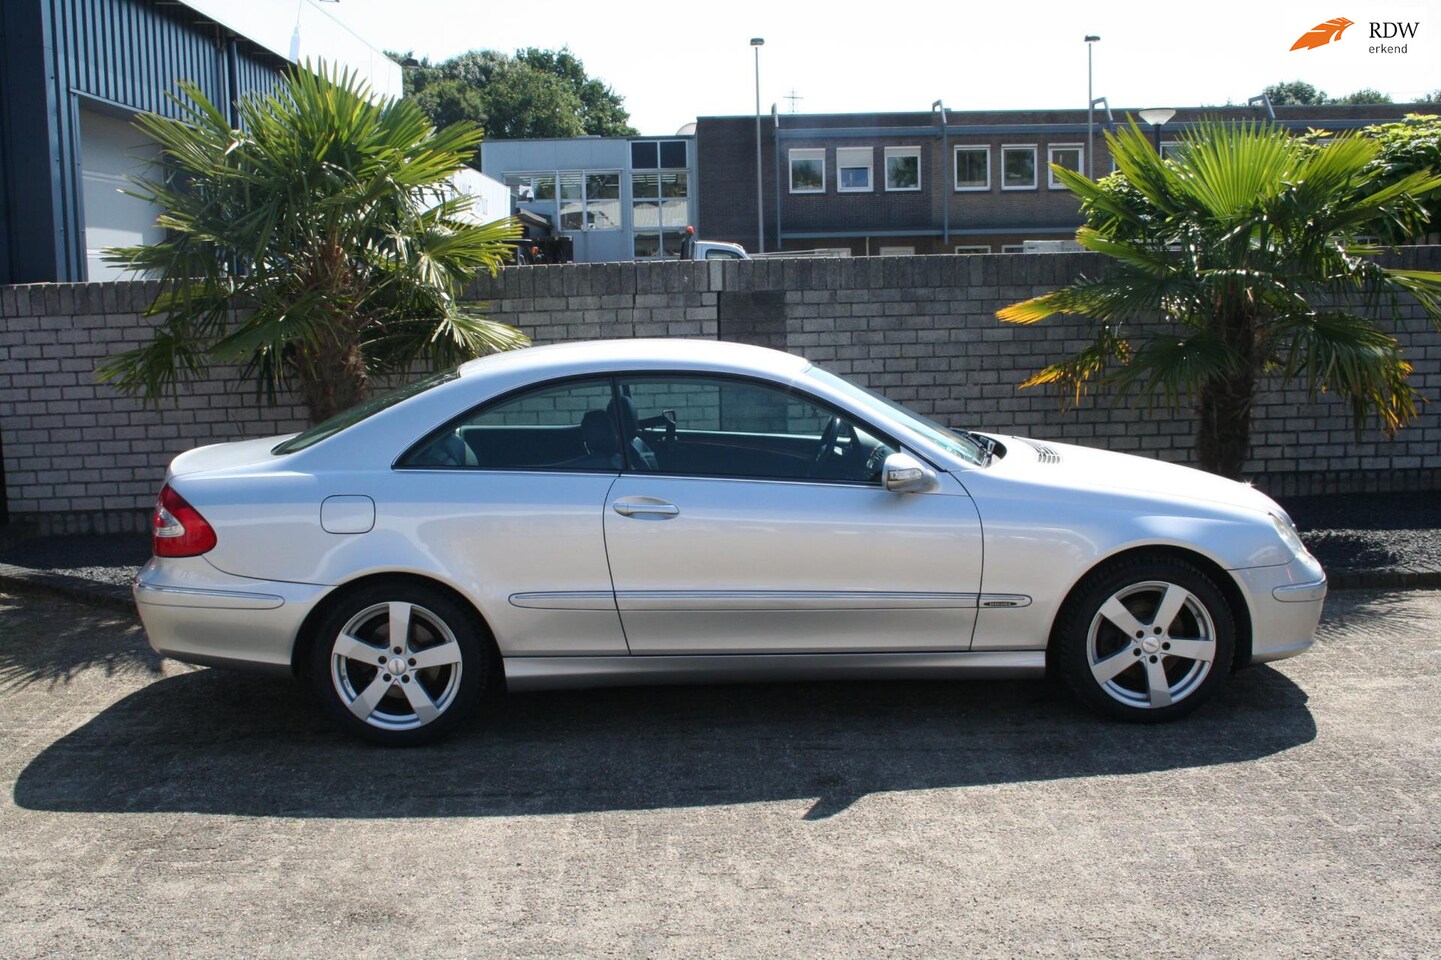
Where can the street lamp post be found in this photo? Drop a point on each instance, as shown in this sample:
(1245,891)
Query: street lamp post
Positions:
(1157,117)
(757,43)
(940,107)
(1091,39)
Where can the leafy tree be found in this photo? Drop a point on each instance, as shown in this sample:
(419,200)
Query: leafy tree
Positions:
(315,245)
(1294,92)
(1235,260)
(1407,146)
(535,93)
(1433,97)
(1366,95)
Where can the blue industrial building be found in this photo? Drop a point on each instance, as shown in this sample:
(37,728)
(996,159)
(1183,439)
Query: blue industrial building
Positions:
(74,74)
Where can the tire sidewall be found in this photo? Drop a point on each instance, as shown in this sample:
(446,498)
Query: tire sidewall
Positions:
(1080,609)
(470,636)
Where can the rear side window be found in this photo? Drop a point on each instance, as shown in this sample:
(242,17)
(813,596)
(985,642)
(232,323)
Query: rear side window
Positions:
(566,426)
(361,411)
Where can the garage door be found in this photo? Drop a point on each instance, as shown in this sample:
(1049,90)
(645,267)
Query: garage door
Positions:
(110,149)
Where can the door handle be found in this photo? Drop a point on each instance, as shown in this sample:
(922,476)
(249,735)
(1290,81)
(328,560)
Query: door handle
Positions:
(657,509)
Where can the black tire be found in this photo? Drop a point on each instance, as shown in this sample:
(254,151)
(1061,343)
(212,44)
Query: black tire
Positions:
(1165,672)
(438,684)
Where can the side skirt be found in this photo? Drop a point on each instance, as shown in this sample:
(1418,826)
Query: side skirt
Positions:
(550,673)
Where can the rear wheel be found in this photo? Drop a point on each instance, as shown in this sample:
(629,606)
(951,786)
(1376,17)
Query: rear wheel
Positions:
(1145,639)
(400,664)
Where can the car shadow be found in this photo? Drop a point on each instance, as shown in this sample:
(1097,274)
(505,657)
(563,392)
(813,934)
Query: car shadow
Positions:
(37,648)
(218,743)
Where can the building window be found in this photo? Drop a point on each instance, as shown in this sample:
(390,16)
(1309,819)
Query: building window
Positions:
(808,171)
(853,169)
(903,168)
(660,210)
(974,248)
(657,155)
(589,201)
(1171,149)
(1067,155)
(535,192)
(973,169)
(897,252)
(1018,168)
(1013,248)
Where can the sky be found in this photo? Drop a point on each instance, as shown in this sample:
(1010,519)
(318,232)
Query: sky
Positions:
(673,62)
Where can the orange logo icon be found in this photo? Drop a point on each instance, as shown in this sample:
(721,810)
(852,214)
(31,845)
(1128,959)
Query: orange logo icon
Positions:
(1322,34)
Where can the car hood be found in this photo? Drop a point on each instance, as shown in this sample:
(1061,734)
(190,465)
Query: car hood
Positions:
(1091,470)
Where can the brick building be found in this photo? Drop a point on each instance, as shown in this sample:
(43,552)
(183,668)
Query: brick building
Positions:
(922,183)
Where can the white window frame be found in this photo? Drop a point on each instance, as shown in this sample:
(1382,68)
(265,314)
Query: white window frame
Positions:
(1018,146)
(1168,149)
(904,152)
(896,251)
(956,167)
(973,249)
(847,158)
(806,153)
(1051,149)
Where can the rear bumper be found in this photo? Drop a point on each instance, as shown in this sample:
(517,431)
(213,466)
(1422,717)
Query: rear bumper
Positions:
(1286,606)
(195,613)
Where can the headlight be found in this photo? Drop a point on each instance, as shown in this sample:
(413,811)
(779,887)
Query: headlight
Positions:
(1286,530)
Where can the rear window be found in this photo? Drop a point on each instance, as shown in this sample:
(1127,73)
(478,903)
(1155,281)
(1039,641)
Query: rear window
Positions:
(361,411)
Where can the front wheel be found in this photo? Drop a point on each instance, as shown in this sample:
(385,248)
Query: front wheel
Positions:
(399,664)
(1146,639)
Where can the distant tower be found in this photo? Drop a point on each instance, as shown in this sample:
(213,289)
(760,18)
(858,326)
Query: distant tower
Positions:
(794,98)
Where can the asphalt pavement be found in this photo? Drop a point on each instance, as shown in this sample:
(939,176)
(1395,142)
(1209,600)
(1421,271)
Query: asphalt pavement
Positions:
(150,809)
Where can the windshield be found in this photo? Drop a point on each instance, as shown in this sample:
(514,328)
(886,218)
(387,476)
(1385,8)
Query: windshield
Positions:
(943,437)
(361,411)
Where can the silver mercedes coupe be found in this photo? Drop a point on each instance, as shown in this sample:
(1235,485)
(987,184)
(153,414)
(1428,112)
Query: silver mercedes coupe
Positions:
(659,511)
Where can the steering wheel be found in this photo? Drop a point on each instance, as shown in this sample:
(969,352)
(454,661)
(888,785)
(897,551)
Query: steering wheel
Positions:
(835,428)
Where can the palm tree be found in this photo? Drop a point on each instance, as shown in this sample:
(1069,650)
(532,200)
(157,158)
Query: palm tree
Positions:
(1237,259)
(317,244)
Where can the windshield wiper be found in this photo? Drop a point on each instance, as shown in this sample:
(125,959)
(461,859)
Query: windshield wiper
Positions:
(985,443)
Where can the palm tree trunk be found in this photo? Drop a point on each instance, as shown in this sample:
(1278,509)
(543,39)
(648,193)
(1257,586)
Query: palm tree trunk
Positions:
(1223,427)
(332,378)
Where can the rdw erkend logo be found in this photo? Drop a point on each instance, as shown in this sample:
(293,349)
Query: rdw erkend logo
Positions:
(1322,34)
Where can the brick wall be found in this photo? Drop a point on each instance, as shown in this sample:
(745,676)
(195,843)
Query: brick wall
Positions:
(922,329)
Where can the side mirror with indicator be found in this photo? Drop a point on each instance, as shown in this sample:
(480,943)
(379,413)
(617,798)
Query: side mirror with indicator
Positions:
(903,473)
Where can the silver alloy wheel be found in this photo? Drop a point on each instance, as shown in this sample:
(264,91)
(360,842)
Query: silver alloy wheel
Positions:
(1151,644)
(396,665)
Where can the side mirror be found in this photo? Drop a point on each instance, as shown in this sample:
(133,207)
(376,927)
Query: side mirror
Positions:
(903,473)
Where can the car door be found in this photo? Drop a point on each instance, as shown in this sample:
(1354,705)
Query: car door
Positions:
(507,500)
(763,528)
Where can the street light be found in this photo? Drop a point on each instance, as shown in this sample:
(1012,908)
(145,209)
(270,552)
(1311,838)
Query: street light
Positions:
(940,107)
(757,43)
(1157,117)
(1091,40)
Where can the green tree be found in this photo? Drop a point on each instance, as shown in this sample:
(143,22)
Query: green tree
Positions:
(317,244)
(1233,261)
(1366,95)
(1289,92)
(1409,145)
(535,93)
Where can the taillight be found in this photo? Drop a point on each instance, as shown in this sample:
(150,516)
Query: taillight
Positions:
(178,528)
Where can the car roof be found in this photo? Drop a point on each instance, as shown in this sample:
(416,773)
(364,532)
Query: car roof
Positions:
(588,355)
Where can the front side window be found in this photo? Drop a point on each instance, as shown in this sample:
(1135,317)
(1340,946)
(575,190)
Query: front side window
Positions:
(1067,155)
(566,426)
(903,168)
(853,169)
(720,427)
(1018,168)
(973,168)
(808,171)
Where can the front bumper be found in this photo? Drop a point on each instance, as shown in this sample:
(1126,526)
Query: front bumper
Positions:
(198,614)
(1285,606)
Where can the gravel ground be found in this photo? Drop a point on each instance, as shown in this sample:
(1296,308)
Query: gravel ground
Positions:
(149,809)
(1346,532)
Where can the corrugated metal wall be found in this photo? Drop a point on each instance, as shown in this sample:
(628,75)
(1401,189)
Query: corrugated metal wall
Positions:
(123,56)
